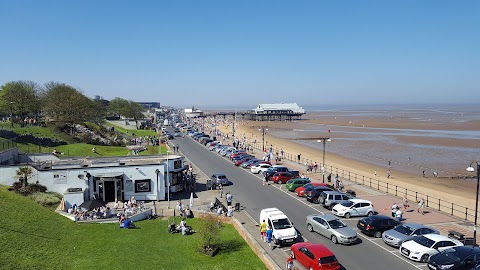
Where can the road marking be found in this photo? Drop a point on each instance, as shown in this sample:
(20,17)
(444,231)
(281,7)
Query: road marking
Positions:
(251,218)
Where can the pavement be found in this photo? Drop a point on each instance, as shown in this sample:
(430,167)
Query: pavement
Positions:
(382,202)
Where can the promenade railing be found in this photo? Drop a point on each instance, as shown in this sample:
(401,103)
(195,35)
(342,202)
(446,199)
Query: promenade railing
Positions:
(6,144)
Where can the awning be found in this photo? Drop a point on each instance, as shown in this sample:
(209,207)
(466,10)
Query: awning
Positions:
(107,174)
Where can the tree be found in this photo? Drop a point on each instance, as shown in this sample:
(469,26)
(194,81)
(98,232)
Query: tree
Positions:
(66,104)
(126,108)
(20,98)
(23,173)
(209,232)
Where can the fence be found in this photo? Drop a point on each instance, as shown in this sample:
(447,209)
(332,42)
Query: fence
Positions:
(6,144)
(430,201)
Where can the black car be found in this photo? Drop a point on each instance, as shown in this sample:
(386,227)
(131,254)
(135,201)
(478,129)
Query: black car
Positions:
(314,193)
(376,225)
(461,257)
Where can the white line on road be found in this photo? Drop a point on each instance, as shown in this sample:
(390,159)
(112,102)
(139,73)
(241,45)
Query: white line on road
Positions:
(251,218)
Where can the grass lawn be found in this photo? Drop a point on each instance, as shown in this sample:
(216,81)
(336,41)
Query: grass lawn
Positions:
(85,150)
(34,237)
(129,132)
(38,131)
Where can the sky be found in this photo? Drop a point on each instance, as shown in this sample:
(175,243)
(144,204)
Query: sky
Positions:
(242,53)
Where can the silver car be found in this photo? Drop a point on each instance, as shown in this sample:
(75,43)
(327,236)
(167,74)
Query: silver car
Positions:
(331,227)
(404,232)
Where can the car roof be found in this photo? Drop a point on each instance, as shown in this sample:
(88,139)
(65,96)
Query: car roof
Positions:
(334,192)
(377,217)
(439,237)
(470,249)
(219,174)
(360,201)
(327,217)
(317,249)
(414,225)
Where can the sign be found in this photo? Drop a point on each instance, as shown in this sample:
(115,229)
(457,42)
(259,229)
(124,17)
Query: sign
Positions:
(60,178)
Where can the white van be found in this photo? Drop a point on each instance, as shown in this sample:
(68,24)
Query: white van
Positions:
(283,230)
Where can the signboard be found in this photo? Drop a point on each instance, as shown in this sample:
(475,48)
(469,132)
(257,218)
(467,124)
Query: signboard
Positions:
(60,178)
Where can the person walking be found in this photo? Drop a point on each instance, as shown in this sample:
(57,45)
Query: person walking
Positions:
(315,167)
(220,190)
(299,156)
(229,199)
(290,262)
(389,174)
(405,203)
(421,206)
(375,172)
(394,209)
(423,173)
(398,215)
(335,182)
(281,152)
(263,231)
(269,233)
(329,178)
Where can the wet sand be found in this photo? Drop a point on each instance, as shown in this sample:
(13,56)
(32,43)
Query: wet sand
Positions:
(458,191)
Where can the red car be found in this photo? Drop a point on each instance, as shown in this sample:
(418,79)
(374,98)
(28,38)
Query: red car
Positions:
(236,154)
(240,161)
(314,256)
(300,191)
(281,177)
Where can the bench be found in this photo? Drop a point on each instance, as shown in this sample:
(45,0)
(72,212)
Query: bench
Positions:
(456,235)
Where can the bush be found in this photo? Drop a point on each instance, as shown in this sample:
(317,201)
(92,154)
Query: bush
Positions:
(209,232)
(46,199)
(34,188)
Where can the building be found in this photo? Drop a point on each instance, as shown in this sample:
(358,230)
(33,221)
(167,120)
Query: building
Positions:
(107,179)
(277,111)
(193,113)
(150,105)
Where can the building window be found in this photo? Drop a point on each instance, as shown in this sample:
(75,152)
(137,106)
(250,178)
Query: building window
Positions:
(177,164)
(142,186)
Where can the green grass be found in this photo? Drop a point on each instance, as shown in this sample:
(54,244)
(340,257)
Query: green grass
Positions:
(34,237)
(85,150)
(38,131)
(129,132)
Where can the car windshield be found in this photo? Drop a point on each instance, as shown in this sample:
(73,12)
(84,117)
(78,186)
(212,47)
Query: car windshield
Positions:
(336,224)
(347,204)
(424,241)
(455,255)
(281,224)
(328,259)
(221,176)
(404,230)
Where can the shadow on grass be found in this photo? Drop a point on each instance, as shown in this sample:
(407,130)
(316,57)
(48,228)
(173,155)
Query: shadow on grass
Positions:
(27,233)
(230,246)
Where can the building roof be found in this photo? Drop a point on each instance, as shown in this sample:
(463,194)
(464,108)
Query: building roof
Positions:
(293,107)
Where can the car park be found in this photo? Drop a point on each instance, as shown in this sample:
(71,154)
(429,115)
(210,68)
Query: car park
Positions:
(259,168)
(455,258)
(300,191)
(404,232)
(422,247)
(376,225)
(330,198)
(354,207)
(281,177)
(283,230)
(332,228)
(292,184)
(314,256)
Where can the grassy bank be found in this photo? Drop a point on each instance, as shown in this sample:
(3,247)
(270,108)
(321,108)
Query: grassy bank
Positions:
(85,150)
(33,237)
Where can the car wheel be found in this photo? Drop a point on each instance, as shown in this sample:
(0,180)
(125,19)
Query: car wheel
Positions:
(370,214)
(348,215)
(275,240)
(309,227)
(280,182)
(322,200)
(424,258)
(378,234)
(334,239)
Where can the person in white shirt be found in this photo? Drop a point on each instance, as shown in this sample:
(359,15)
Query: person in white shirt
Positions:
(398,215)
(394,208)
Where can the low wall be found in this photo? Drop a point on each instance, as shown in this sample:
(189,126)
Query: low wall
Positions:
(140,216)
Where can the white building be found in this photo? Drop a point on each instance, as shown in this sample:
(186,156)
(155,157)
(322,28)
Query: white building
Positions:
(193,113)
(107,179)
(277,108)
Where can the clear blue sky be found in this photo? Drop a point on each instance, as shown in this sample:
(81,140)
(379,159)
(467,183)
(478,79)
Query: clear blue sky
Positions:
(241,53)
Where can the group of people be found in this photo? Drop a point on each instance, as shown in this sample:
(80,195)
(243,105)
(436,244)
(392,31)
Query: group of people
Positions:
(266,233)
(397,213)
(185,212)
(96,213)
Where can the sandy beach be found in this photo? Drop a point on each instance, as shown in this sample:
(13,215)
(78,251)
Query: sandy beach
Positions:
(458,191)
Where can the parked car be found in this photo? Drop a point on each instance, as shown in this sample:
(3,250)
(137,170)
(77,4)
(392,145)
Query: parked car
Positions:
(292,184)
(281,177)
(354,207)
(259,168)
(330,198)
(300,191)
(249,163)
(314,256)
(283,230)
(177,134)
(422,247)
(332,228)
(243,160)
(313,194)
(461,257)
(220,178)
(407,231)
(376,225)
(268,174)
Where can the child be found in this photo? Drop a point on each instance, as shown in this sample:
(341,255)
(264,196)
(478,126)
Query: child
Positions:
(290,262)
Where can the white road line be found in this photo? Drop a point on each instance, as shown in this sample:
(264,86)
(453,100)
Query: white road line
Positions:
(251,218)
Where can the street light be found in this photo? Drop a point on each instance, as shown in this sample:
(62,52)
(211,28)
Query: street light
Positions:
(324,140)
(11,112)
(168,183)
(471,169)
(263,137)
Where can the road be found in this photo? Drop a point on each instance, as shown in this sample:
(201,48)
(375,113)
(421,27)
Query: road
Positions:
(247,189)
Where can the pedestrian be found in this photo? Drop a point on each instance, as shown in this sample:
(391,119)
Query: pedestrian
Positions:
(335,182)
(329,178)
(421,206)
(177,147)
(435,174)
(398,215)
(394,208)
(281,152)
(290,262)
(269,233)
(388,174)
(389,163)
(263,231)
(375,172)
(220,190)
(229,199)
(405,203)
(266,180)
(315,167)
(299,156)
(423,173)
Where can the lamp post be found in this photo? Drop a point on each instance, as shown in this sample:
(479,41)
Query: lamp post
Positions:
(157,172)
(263,137)
(471,169)
(11,112)
(168,183)
(324,140)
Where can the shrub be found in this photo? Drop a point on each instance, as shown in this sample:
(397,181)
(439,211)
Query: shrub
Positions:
(46,199)
(209,232)
(34,188)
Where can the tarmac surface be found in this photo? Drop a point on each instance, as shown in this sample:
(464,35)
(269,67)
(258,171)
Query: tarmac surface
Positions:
(247,189)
